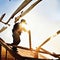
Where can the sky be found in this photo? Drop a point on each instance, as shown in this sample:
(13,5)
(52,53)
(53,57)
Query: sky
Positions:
(43,20)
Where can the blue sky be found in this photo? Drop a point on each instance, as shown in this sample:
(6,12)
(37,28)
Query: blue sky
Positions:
(47,8)
(43,19)
(9,7)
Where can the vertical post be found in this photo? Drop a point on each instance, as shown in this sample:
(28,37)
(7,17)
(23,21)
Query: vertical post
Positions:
(6,55)
(30,40)
(0,51)
(36,54)
(15,58)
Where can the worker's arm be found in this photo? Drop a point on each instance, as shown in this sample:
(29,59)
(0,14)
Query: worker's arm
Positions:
(25,28)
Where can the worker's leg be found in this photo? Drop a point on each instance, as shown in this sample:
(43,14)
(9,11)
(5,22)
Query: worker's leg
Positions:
(14,48)
(15,43)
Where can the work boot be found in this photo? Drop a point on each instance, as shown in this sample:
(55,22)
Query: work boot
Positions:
(14,49)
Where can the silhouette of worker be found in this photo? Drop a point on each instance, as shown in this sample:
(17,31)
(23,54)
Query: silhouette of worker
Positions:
(17,30)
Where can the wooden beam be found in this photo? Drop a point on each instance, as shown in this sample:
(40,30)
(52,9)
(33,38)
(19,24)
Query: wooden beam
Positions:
(15,54)
(2,17)
(0,51)
(26,11)
(44,51)
(30,45)
(26,2)
(48,39)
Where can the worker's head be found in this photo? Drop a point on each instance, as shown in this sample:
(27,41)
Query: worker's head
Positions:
(24,21)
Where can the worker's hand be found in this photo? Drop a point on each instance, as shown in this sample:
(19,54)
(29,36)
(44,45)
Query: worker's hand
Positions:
(28,31)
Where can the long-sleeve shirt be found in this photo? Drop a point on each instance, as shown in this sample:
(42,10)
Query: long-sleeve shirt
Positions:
(16,38)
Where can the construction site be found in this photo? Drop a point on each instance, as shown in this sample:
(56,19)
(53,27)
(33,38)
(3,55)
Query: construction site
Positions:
(40,43)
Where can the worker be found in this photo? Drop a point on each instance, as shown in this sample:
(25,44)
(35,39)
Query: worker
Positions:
(17,30)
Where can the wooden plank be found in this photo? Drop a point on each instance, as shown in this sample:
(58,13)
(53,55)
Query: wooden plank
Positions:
(2,29)
(2,17)
(0,51)
(26,2)
(44,51)
(15,54)
(30,45)
(26,11)
(48,39)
